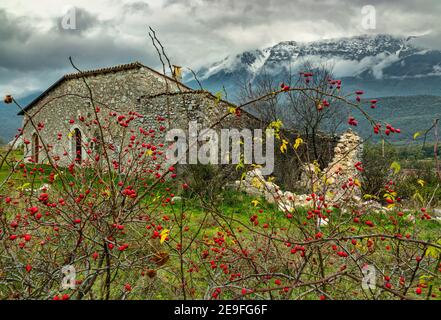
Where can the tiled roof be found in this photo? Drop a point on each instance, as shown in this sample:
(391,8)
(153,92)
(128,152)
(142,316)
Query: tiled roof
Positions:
(122,67)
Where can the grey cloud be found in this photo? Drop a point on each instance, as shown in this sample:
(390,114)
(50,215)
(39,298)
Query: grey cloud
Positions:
(50,50)
(195,32)
(137,7)
(13,29)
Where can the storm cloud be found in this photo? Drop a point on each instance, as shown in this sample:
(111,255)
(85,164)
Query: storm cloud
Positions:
(35,47)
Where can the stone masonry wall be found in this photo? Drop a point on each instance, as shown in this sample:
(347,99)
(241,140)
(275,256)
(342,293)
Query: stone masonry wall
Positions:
(117,90)
(136,89)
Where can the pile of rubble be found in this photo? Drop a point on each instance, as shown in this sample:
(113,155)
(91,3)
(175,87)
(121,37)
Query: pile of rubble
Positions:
(339,180)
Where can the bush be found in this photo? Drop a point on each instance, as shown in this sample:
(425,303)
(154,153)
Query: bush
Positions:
(207,180)
(420,185)
(376,167)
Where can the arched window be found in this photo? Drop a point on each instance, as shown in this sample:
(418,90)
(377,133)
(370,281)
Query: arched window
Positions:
(77,147)
(35,147)
(95,144)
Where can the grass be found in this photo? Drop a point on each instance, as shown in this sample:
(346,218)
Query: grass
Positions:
(233,209)
(12,157)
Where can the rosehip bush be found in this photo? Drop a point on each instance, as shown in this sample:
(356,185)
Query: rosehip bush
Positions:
(117,223)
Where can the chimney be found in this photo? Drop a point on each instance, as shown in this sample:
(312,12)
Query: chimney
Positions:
(177,73)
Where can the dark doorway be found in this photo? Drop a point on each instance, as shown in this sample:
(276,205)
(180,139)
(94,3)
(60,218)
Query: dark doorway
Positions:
(77,145)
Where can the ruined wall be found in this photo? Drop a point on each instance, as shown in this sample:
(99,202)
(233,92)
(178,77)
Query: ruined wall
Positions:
(200,106)
(344,167)
(328,181)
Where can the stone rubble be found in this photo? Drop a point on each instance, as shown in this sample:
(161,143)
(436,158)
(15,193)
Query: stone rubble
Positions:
(341,169)
(329,181)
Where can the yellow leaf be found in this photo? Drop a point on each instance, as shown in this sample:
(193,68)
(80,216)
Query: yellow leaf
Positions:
(164,234)
(417,196)
(370,196)
(421,182)
(23,186)
(396,167)
(427,280)
(329,194)
(433,251)
(283,146)
(298,142)
(276,125)
(416,135)
(70,134)
(255,182)
(271,179)
(232,110)
(240,165)
(255,202)
(218,96)
(316,167)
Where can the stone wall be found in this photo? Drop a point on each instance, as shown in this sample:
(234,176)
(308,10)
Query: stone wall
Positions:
(112,91)
(200,106)
(135,89)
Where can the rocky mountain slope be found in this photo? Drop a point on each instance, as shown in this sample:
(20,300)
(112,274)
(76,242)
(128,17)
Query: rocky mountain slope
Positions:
(383,65)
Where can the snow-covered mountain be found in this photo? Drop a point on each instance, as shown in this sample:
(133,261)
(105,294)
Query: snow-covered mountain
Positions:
(385,65)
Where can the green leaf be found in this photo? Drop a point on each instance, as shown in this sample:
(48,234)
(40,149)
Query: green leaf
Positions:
(417,196)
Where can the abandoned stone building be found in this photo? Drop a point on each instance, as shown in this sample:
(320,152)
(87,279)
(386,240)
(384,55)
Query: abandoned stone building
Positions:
(122,89)
(56,115)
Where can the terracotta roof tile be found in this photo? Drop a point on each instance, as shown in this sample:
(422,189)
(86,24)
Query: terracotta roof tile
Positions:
(76,75)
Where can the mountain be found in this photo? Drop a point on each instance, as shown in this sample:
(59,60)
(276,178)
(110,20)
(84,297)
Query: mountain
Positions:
(406,76)
(382,65)
(410,114)
(10,121)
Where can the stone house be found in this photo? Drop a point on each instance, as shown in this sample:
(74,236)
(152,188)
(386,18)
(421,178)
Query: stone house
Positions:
(57,112)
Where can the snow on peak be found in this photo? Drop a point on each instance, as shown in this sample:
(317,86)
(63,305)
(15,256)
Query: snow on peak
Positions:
(348,56)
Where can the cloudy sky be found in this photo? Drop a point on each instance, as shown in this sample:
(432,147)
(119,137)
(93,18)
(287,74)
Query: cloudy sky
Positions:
(35,47)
